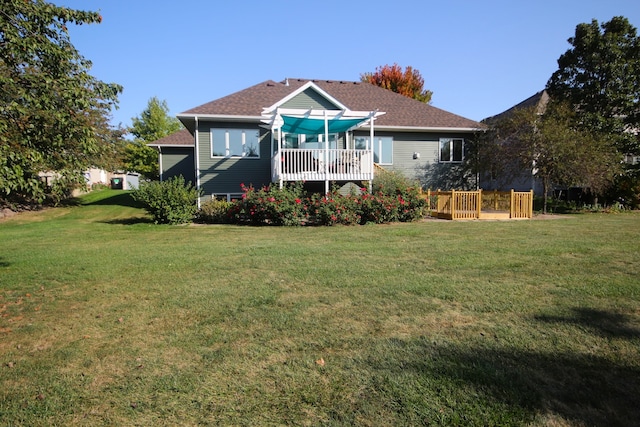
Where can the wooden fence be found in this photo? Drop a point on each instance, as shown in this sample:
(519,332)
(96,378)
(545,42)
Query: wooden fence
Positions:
(480,204)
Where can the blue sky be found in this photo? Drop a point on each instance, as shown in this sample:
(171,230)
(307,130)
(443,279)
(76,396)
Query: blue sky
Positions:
(478,57)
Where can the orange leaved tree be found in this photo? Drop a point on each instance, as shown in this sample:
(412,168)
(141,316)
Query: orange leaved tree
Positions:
(408,82)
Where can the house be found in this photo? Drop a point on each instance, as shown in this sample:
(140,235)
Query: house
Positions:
(526,180)
(95,176)
(176,155)
(322,132)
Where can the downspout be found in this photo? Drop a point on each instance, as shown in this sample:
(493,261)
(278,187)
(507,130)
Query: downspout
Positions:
(160,162)
(197,159)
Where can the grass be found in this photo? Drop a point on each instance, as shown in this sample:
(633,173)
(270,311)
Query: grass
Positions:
(107,319)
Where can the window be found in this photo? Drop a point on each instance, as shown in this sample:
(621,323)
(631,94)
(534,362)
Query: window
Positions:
(382,148)
(294,140)
(290,141)
(235,143)
(317,141)
(451,149)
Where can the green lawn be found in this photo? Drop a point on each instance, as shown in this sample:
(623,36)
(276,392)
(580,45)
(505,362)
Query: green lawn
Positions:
(107,319)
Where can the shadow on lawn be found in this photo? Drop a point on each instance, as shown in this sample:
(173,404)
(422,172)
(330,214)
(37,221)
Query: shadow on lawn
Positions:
(604,323)
(123,199)
(582,388)
(4,263)
(130,221)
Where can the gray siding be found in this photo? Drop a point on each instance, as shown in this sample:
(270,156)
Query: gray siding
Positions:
(224,175)
(426,169)
(309,99)
(178,161)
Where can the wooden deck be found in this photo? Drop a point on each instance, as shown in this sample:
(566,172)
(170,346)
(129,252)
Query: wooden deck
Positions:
(456,205)
(294,164)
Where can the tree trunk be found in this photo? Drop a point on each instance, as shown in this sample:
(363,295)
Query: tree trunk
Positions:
(545,190)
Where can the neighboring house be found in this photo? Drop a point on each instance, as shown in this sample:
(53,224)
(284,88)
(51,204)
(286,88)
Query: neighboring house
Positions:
(526,180)
(95,176)
(322,132)
(117,180)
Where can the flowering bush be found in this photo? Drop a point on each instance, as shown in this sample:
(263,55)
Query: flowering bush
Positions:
(334,208)
(403,197)
(393,200)
(270,205)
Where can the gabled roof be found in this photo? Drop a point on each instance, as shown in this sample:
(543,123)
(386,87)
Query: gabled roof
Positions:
(181,138)
(538,101)
(402,113)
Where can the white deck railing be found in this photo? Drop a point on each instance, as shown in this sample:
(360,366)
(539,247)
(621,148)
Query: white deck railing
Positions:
(293,164)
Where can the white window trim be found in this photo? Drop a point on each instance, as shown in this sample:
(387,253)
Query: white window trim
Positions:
(376,146)
(226,143)
(379,143)
(451,140)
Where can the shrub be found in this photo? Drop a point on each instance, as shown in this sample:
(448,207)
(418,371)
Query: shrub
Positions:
(271,206)
(395,200)
(334,208)
(169,202)
(214,211)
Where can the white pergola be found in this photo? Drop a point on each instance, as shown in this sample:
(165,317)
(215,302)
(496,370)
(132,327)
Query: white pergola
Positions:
(317,122)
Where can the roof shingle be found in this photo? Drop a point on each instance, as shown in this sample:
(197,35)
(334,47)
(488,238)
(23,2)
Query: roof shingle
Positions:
(401,111)
(181,137)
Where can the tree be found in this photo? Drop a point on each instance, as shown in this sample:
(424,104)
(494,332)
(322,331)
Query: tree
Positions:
(53,113)
(600,77)
(408,82)
(153,124)
(555,148)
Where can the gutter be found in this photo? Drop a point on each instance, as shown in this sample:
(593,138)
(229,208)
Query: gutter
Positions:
(228,117)
(197,158)
(423,129)
(170,145)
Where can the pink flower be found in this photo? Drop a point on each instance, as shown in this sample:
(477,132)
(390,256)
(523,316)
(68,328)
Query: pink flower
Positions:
(298,201)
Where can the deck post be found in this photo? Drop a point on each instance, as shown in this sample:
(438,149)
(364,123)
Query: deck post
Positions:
(326,153)
(453,204)
(511,204)
(371,136)
(531,204)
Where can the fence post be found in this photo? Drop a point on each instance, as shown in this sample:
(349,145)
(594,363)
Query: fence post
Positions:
(453,204)
(531,204)
(495,199)
(479,203)
(511,205)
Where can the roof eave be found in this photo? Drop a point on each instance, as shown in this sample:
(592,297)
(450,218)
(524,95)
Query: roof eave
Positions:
(425,129)
(220,117)
(171,145)
(188,120)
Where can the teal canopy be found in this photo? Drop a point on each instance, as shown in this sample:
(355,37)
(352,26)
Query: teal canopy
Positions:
(308,126)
